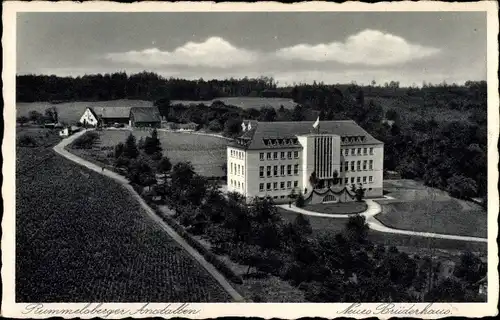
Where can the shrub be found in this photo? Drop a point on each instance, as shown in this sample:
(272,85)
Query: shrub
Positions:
(300,201)
(86,141)
(27,141)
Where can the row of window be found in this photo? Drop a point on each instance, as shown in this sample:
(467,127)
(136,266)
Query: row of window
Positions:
(352,180)
(274,186)
(237,154)
(283,155)
(356,165)
(237,184)
(237,169)
(274,172)
(352,151)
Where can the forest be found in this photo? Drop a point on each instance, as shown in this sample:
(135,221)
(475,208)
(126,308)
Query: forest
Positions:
(423,138)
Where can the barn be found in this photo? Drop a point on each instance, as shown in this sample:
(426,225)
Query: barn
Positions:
(107,115)
(145,117)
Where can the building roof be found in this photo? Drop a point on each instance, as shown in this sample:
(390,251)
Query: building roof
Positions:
(145,114)
(111,112)
(258,133)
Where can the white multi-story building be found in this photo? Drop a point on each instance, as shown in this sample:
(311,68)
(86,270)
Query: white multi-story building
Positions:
(274,159)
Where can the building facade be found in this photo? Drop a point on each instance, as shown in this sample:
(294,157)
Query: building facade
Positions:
(277,159)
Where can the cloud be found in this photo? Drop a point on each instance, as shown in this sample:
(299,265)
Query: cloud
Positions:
(368,47)
(215,52)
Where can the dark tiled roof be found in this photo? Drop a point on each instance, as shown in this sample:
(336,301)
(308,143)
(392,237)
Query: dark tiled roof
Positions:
(111,112)
(261,131)
(145,114)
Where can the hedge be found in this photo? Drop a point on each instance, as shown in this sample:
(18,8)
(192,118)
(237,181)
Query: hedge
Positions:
(207,254)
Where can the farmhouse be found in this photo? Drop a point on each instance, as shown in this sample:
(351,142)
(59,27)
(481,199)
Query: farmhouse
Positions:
(320,160)
(145,117)
(108,115)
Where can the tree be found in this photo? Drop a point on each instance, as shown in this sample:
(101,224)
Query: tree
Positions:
(232,127)
(470,268)
(215,126)
(36,116)
(356,229)
(152,144)
(299,200)
(461,187)
(130,148)
(22,120)
(139,172)
(298,113)
(267,114)
(164,166)
(163,106)
(359,192)
(181,175)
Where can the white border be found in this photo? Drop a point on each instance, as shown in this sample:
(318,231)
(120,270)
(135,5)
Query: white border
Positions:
(267,310)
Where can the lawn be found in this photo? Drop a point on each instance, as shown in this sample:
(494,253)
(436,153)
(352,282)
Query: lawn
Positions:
(245,102)
(409,244)
(337,208)
(420,208)
(206,153)
(72,111)
(81,237)
(447,217)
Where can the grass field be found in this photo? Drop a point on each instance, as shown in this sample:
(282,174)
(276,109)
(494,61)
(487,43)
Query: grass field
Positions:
(420,208)
(72,111)
(81,237)
(338,208)
(206,153)
(245,102)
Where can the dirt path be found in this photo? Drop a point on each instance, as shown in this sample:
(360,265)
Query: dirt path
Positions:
(60,149)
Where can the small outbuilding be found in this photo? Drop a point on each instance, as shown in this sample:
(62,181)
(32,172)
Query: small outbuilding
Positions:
(145,117)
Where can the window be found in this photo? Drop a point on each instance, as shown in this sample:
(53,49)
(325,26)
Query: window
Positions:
(370,165)
(232,152)
(289,169)
(359,151)
(352,165)
(261,172)
(346,180)
(371,150)
(295,184)
(261,155)
(261,187)
(346,166)
(289,154)
(243,170)
(370,179)
(364,151)
(275,155)
(296,169)
(275,171)
(364,164)
(282,155)
(358,166)
(269,156)
(231,171)
(352,180)
(364,179)
(238,169)
(289,184)
(275,185)
(275,197)
(268,171)
(282,170)
(295,154)
(341,152)
(282,197)
(358,179)
(268,186)
(238,184)
(282,184)
(353,152)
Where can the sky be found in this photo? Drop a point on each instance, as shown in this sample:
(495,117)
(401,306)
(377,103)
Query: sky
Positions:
(291,47)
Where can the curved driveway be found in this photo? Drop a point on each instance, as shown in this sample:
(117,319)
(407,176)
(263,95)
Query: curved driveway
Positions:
(373,209)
